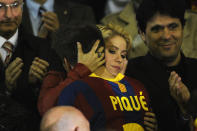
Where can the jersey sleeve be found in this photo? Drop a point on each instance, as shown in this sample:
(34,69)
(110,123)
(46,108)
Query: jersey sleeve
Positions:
(69,94)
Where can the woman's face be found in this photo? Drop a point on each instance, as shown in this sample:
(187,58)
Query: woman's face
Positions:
(115,55)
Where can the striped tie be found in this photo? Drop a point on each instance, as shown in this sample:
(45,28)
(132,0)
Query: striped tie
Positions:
(9,49)
(40,12)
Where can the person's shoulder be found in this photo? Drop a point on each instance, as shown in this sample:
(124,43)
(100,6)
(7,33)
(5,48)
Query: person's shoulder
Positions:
(134,82)
(86,81)
(74,88)
(68,94)
(91,80)
(76,83)
(80,83)
(191,61)
(136,66)
(137,60)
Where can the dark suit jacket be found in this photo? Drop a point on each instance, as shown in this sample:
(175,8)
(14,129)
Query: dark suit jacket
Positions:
(154,76)
(98,7)
(68,14)
(14,117)
(27,49)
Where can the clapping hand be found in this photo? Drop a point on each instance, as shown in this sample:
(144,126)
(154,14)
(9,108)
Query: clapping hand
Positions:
(38,70)
(12,73)
(50,24)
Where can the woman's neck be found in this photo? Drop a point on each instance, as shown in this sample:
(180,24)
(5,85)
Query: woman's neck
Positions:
(104,73)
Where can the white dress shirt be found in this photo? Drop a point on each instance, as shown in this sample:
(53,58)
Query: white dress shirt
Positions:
(33,8)
(12,40)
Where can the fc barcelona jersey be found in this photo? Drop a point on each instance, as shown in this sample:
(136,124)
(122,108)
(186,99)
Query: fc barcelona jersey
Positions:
(117,104)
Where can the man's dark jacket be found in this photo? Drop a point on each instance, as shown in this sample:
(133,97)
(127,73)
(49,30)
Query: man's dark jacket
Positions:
(29,47)
(14,117)
(68,13)
(154,75)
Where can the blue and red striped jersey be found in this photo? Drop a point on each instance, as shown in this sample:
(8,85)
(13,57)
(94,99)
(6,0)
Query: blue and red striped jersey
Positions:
(117,104)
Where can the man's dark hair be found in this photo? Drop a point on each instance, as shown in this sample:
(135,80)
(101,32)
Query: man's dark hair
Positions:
(85,34)
(148,8)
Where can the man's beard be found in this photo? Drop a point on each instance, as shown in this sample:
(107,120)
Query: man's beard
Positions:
(8,27)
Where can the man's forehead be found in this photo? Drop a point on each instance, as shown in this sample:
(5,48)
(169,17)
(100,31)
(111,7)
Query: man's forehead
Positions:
(9,1)
(163,20)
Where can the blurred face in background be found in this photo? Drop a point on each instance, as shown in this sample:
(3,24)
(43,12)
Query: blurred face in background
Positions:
(10,16)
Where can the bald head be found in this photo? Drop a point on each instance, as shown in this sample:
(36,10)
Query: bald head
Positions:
(63,118)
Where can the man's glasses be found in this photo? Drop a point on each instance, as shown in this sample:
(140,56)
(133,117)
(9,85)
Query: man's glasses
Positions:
(15,7)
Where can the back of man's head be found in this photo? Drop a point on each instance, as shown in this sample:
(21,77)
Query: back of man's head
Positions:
(85,34)
(64,118)
(149,8)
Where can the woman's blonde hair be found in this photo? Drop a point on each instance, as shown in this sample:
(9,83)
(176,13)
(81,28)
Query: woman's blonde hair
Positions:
(111,30)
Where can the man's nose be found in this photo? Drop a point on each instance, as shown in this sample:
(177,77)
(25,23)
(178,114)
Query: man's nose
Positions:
(166,33)
(8,12)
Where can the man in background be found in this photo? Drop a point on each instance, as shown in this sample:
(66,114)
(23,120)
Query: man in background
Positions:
(44,18)
(127,19)
(25,59)
(168,75)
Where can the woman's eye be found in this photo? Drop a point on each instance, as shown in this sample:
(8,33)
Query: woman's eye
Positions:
(112,51)
(123,56)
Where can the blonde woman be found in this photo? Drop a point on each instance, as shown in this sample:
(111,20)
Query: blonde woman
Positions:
(107,98)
